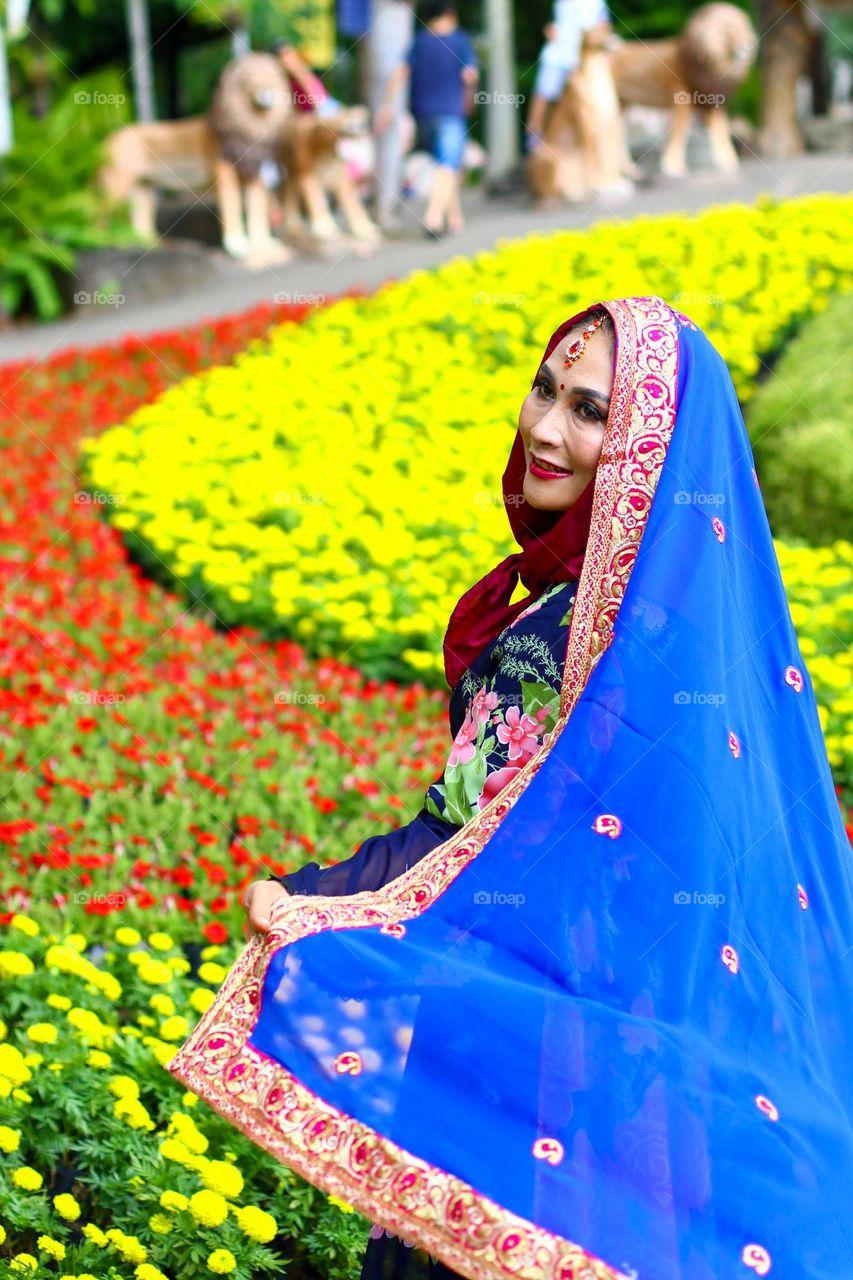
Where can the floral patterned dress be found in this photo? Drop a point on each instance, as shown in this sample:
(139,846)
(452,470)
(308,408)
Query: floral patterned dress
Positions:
(500,709)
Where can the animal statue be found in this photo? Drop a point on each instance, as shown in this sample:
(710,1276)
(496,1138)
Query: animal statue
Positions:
(696,71)
(313,170)
(250,113)
(789,30)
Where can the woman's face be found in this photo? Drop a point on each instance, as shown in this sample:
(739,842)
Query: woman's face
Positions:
(562,422)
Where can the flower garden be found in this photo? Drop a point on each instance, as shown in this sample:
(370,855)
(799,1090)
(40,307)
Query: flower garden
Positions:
(228,558)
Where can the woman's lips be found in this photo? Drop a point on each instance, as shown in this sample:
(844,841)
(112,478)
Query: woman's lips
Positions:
(547,473)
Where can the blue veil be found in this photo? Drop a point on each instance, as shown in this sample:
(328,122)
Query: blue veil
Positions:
(605,1029)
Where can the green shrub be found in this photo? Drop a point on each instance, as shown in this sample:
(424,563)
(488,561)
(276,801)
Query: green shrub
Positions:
(800,421)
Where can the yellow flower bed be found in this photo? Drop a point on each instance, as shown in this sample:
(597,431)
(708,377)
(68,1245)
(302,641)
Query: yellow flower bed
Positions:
(340,482)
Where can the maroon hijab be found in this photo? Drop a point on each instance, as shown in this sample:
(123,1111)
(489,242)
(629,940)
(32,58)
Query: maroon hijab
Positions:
(552,544)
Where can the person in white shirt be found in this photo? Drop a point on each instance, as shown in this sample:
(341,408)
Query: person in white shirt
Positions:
(560,57)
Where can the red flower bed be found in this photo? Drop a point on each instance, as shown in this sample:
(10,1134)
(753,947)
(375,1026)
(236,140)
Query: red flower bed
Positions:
(145,760)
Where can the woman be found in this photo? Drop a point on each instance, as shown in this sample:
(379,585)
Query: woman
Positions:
(599,1029)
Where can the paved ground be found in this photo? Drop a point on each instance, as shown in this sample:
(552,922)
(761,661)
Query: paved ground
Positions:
(488,220)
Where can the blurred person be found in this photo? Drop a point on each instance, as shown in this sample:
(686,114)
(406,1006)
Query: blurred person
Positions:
(442,67)
(560,57)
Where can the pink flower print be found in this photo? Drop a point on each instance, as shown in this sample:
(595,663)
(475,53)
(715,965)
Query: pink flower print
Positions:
(521,732)
(481,704)
(496,782)
(463,744)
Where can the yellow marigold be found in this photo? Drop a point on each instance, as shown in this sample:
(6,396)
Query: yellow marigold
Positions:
(128,1246)
(211,972)
(201,999)
(14,964)
(10,1139)
(221,1262)
(145,1271)
(224,1178)
(27,1179)
(188,1133)
(173,1200)
(189,1099)
(123,1086)
(160,941)
(2,1234)
(257,1224)
(211,952)
(33,1059)
(12,1065)
(67,1207)
(24,924)
(21,1095)
(24,1262)
(176,1028)
(162,1051)
(341,1204)
(208,1208)
(97,1058)
(59,1002)
(54,1247)
(178,964)
(4,1030)
(160,1224)
(133,1113)
(42,1033)
(155,972)
(162,1004)
(76,940)
(179,1153)
(95,1235)
(126,936)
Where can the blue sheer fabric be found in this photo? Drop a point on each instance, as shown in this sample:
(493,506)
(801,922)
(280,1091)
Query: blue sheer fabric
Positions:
(627,1019)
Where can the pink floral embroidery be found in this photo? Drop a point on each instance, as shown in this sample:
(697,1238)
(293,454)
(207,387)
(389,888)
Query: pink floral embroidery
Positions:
(803,897)
(521,732)
(377,1231)
(730,958)
(719,529)
(348,1064)
(550,1149)
(481,704)
(794,677)
(734,745)
(756,1257)
(607,824)
(495,782)
(463,744)
(765,1105)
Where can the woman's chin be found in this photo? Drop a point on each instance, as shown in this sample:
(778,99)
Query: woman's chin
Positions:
(547,495)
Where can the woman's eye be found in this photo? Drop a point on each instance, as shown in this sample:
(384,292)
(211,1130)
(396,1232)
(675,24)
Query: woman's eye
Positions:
(542,386)
(592,414)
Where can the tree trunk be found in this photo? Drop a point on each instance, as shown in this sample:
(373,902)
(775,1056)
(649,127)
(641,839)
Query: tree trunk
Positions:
(6,135)
(140,54)
(501,104)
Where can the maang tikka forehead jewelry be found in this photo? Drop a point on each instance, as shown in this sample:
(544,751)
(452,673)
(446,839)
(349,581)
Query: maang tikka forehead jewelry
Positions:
(575,349)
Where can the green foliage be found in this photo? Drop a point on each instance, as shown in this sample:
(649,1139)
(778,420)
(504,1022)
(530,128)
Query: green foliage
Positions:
(49,207)
(800,422)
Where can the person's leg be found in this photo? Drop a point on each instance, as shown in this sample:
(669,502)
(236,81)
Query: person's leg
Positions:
(448,146)
(550,80)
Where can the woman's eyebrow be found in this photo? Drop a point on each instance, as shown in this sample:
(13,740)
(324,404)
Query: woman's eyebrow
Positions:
(578,391)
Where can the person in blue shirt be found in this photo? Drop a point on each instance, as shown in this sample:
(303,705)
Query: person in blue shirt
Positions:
(442,68)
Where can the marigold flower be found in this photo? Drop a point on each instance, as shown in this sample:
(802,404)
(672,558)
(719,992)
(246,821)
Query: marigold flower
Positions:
(95,1235)
(221,1262)
(256,1224)
(10,1139)
(14,964)
(53,1247)
(24,1262)
(173,1200)
(208,1208)
(160,941)
(222,1177)
(126,936)
(42,1033)
(67,1207)
(24,924)
(27,1179)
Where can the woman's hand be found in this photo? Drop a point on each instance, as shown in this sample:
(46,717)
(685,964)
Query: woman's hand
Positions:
(258,900)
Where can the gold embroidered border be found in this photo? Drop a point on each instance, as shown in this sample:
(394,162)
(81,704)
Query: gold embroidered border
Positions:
(444,1215)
